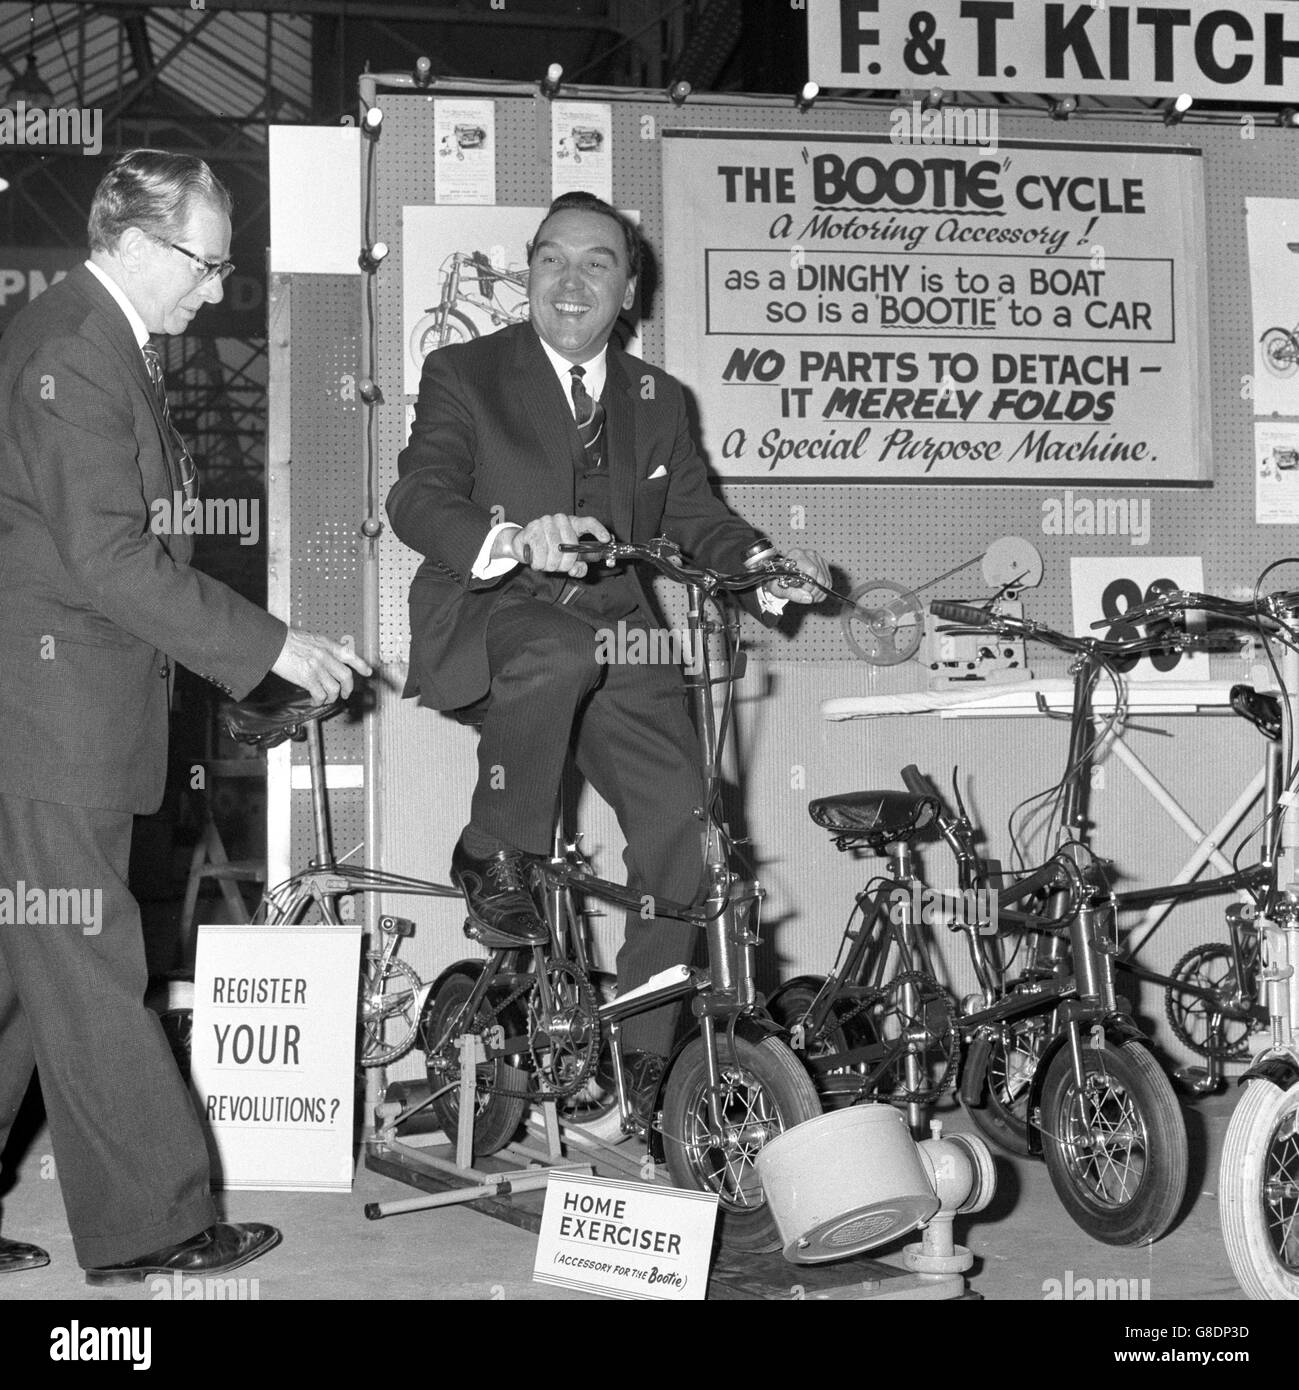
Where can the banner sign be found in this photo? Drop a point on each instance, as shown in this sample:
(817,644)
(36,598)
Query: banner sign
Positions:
(851,308)
(625,1239)
(274,1053)
(1159,48)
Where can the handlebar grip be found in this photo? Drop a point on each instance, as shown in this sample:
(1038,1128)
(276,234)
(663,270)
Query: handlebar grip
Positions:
(960,613)
(918,784)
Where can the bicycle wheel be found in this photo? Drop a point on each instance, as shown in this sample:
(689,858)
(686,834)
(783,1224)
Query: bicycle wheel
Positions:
(388,1021)
(1258,1191)
(1003,1117)
(764,1091)
(439,329)
(173,1002)
(1116,1151)
(1194,1021)
(1280,352)
(499,1097)
(789,1007)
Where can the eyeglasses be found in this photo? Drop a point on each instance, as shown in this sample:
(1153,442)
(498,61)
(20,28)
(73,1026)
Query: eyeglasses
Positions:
(221,269)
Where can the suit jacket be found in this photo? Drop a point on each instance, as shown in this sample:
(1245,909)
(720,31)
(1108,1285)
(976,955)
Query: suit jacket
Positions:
(494,440)
(92,602)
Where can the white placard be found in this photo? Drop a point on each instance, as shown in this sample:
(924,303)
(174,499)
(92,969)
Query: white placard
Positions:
(581,148)
(315,199)
(464,151)
(625,1239)
(1106,587)
(1276,473)
(274,1053)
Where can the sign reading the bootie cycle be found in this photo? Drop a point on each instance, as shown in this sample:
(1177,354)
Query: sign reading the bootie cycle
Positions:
(625,1239)
(875,307)
(274,1053)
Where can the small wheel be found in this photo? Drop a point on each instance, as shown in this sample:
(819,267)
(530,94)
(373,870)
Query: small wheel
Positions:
(841,1032)
(764,1091)
(173,1002)
(438,329)
(1280,352)
(499,1098)
(1013,1058)
(388,1021)
(1258,1191)
(1194,1021)
(883,622)
(1116,1151)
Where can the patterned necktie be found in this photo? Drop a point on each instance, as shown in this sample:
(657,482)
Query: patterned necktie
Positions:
(188,470)
(590,421)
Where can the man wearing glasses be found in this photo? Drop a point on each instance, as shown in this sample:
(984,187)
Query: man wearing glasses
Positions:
(94,610)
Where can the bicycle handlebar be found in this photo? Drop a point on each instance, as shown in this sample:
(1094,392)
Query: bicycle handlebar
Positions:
(960,613)
(665,556)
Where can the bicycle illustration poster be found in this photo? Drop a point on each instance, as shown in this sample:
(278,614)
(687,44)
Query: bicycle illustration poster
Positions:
(464,275)
(1273,230)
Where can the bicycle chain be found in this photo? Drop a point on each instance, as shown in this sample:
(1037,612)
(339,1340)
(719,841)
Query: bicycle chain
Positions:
(540,1092)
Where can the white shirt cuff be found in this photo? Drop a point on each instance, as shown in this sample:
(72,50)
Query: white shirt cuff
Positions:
(485,567)
(769,604)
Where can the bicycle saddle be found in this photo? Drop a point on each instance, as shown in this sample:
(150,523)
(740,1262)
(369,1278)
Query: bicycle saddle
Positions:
(1262,711)
(876,819)
(266,724)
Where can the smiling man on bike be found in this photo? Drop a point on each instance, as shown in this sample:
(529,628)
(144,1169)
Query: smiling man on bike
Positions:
(523,442)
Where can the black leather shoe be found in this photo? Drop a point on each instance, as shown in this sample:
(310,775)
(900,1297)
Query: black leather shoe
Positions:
(501,910)
(641,1074)
(14,1255)
(220,1248)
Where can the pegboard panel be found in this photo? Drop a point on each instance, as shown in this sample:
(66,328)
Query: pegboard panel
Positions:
(322,489)
(907,533)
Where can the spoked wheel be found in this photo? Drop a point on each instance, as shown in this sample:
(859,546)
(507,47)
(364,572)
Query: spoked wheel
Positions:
(841,1032)
(1280,352)
(499,1097)
(1116,1151)
(1258,1191)
(389,1023)
(439,328)
(1003,1117)
(1195,1021)
(764,1091)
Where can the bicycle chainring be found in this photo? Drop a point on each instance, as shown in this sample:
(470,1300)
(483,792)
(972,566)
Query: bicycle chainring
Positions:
(571,1025)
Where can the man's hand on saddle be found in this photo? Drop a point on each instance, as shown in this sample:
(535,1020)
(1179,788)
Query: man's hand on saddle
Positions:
(812,565)
(539,544)
(319,664)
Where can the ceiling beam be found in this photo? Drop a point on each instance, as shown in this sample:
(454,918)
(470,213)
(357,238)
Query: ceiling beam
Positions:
(385,9)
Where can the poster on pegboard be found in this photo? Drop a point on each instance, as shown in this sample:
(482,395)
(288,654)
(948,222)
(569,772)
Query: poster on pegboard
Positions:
(1106,588)
(581,156)
(1272,226)
(1276,472)
(464,145)
(852,308)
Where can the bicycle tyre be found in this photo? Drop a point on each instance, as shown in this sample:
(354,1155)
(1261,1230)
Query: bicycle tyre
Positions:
(1280,352)
(789,1005)
(424,336)
(1193,1020)
(497,1115)
(1131,1106)
(1257,1186)
(766,1091)
(1003,1117)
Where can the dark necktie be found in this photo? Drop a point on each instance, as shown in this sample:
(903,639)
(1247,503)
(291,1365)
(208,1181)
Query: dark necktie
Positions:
(590,421)
(188,470)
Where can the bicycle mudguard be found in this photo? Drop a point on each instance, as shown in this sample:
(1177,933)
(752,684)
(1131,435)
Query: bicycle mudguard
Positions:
(1280,1066)
(752,1028)
(1119,1029)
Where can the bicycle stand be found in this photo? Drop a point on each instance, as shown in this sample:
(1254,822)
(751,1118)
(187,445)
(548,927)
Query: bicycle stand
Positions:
(407,1159)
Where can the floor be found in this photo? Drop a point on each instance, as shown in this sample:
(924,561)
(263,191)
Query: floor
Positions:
(1026,1247)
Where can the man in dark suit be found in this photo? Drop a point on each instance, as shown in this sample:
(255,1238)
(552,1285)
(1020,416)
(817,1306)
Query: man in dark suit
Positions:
(96,603)
(522,442)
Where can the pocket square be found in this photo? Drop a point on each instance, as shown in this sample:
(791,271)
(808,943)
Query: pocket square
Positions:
(660,472)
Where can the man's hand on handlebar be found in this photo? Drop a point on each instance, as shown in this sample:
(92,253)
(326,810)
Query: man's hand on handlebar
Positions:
(540,544)
(814,567)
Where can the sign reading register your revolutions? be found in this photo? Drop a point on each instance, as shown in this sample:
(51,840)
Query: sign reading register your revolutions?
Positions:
(863,308)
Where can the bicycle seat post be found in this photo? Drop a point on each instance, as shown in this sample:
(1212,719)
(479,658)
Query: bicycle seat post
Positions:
(319,795)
